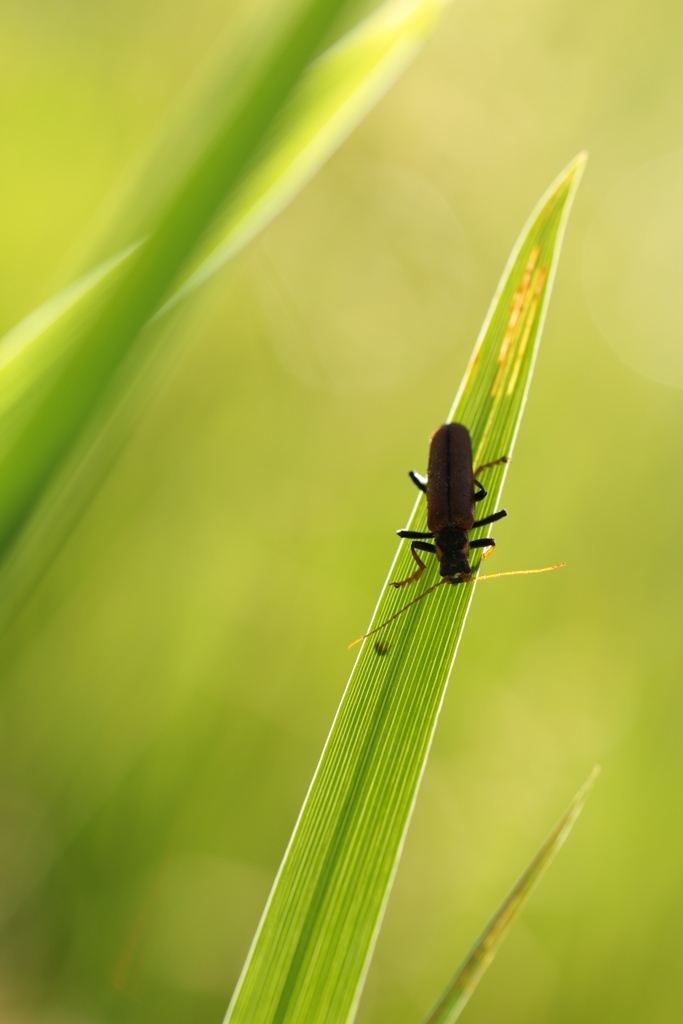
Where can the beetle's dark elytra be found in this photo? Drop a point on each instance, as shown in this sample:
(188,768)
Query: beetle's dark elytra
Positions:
(450,479)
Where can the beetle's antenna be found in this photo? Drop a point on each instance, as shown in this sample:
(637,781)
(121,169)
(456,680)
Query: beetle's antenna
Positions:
(447,579)
(400,612)
(513,572)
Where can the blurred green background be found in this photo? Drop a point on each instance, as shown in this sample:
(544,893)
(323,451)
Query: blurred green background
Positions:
(167,690)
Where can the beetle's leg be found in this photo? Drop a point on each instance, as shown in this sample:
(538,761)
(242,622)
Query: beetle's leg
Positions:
(496,462)
(493,518)
(414,534)
(419,480)
(484,542)
(481,493)
(416,546)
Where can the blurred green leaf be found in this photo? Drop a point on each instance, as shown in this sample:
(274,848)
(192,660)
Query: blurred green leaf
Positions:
(61,366)
(315,940)
(471,971)
(334,95)
(101,342)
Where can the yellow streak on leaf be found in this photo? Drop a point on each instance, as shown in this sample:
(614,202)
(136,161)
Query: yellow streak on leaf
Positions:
(531,316)
(516,308)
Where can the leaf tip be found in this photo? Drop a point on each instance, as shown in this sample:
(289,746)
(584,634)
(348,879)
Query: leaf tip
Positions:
(590,781)
(576,167)
(577,804)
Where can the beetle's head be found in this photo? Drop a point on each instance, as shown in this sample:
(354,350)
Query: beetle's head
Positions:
(452,548)
(458,565)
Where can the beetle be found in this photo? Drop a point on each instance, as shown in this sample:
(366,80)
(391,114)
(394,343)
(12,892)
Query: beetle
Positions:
(452,490)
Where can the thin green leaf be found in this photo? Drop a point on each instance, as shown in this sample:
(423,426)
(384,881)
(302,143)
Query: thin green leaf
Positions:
(311,952)
(471,971)
(332,96)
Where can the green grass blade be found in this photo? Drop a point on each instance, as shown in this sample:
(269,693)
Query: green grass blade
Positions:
(336,93)
(312,949)
(469,974)
(56,416)
(333,94)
